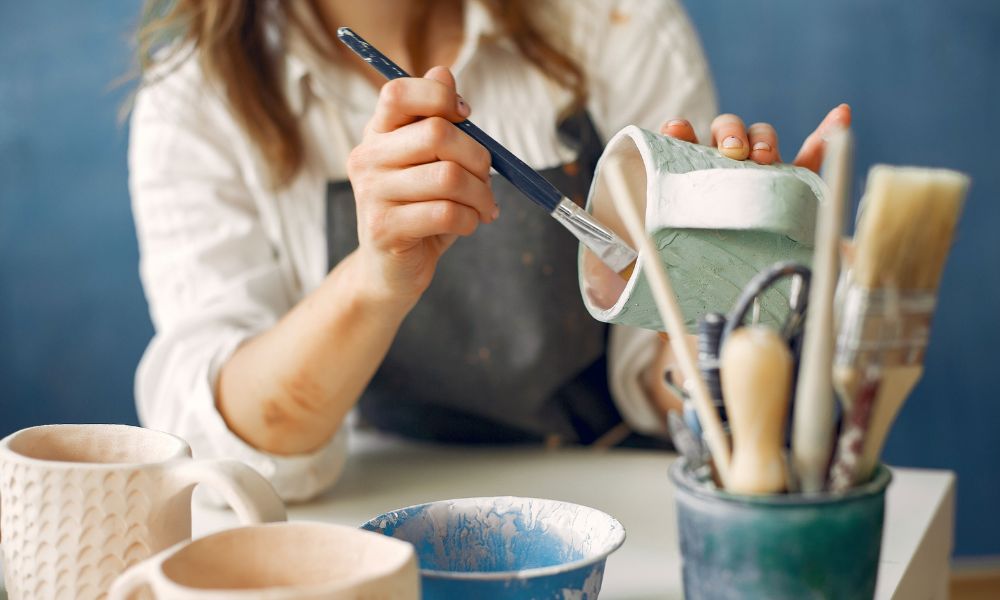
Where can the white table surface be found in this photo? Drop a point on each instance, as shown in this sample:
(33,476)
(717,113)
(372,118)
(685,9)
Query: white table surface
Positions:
(631,485)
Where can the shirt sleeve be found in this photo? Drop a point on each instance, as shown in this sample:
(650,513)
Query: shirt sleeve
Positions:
(645,66)
(211,276)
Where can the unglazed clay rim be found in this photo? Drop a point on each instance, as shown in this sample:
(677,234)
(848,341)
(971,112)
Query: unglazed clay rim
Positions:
(174,586)
(616,526)
(680,475)
(8,454)
(635,135)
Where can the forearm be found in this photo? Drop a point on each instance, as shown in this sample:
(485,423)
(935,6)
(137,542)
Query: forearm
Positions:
(288,390)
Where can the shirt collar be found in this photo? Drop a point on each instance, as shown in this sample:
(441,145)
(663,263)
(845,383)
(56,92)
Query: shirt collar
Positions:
(307,70)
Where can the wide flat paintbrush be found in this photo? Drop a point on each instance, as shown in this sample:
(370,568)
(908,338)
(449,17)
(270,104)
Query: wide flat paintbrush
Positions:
(904,233)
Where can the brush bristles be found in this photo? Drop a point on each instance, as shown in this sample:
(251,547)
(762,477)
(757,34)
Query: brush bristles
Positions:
(907,223)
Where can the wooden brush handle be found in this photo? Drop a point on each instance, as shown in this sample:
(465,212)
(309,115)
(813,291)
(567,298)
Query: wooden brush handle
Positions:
(756,369)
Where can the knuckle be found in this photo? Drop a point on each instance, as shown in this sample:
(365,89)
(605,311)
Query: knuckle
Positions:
(439,131)
(761,128)
(482,161)
(393,93)
(356,161)
(448,176)
(447,215)
(376,225)
(444,99)
(469,223)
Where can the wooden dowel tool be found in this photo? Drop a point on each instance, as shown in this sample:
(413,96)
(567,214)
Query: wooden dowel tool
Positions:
(673,319)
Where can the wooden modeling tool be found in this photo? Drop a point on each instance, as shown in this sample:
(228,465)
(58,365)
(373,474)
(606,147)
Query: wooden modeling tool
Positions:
(673,320)
(756,368)
(904,233)
(812,426)
(593,234)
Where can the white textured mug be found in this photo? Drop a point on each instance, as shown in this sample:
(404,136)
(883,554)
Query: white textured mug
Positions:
(81,503)
(300,560)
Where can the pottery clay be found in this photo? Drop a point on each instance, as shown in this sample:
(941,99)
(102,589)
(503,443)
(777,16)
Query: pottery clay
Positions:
(715,221)
(81,503)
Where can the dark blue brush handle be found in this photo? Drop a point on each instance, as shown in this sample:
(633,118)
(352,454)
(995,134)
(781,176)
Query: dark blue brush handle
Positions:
(511,167)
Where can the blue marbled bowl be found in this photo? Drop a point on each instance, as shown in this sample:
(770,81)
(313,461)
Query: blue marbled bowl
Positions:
(506,547)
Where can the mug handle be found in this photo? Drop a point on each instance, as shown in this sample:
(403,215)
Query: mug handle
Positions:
(245,490)
(139,575)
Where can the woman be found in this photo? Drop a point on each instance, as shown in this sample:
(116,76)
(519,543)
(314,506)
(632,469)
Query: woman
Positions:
(302,255)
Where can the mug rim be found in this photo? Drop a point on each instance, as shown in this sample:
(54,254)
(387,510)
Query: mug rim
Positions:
(680,475)
(9,454)
(617,528)
(174,586)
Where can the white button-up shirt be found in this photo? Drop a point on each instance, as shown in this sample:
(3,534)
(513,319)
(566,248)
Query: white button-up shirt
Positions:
(223,257)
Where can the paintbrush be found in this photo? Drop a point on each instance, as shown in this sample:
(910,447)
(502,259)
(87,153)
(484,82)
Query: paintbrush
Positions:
(593,234)
(673,320)
(904,233)
(812,426)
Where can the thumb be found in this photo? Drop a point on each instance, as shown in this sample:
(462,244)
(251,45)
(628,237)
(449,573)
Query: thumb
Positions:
(443,75)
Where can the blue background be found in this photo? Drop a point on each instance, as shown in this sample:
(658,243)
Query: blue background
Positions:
(923,77)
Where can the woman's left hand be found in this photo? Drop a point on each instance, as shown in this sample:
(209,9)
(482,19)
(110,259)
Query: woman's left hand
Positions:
(759,142)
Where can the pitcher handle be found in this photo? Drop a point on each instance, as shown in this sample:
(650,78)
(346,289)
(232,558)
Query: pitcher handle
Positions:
(245,490)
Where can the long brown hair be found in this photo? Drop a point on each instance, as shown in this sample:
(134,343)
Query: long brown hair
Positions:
(230,39)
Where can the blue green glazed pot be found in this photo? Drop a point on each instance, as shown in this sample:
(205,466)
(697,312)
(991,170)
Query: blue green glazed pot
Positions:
(506,547)
(781,545)
(716,222)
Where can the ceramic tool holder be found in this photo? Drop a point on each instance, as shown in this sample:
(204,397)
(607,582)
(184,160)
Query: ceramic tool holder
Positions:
(81,503)
(780,545)
(716,222)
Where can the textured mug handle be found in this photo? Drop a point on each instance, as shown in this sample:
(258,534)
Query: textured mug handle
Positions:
(139,575)
(245,490)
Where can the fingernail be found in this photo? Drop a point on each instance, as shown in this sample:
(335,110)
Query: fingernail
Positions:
(732,142)
(496,213)
(463,107)
(762,146)
(676,123)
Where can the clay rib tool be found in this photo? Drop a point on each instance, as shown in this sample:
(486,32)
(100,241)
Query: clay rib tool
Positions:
(756,382)
(593,234)
(904,233)
(812,426)
(673,320)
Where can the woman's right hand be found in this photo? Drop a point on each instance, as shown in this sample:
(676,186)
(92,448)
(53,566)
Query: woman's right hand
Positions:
(419,183)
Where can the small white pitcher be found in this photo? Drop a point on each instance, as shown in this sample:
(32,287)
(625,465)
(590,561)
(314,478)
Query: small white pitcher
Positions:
(81,503)
(301,560)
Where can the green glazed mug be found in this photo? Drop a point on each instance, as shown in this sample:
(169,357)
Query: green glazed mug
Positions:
(779,545)
(716,223)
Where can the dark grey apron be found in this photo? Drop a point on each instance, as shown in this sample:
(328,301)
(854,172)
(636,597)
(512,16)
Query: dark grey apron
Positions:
(500,348)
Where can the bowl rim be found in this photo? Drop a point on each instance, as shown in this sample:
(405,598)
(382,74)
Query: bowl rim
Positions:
(618,538)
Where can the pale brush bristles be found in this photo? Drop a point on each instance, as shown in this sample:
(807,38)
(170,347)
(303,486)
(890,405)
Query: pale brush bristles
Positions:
(907,223)
(904,233)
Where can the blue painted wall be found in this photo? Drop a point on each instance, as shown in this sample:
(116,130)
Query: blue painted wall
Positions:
(923,76)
